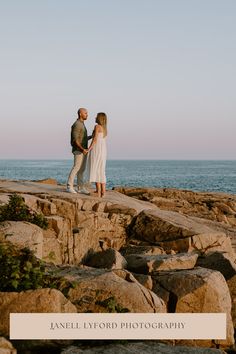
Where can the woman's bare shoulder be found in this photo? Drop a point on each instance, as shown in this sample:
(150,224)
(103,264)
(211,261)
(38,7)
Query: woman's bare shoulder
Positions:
(98,128)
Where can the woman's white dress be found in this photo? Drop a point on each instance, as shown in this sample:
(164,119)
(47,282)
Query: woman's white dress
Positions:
(97,160)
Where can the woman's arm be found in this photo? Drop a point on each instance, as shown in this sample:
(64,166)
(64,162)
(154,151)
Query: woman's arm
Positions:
(95,136)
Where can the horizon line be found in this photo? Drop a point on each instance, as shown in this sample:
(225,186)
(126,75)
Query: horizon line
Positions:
(118,159)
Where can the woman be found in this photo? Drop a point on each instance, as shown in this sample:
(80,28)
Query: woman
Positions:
(98,155)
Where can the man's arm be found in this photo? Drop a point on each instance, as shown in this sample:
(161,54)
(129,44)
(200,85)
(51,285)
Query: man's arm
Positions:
(84,151)
(77,138)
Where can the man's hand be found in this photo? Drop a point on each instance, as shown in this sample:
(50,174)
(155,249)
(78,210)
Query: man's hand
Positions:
(85,151)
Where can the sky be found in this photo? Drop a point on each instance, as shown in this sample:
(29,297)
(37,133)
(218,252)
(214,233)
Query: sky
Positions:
(163,70)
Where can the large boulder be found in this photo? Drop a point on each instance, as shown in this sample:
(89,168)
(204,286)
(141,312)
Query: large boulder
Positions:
(173,231)
(24,234)
(217,210)
(97,290)
(40,300)
(120,209)
(223,263)
(198,290)
(228,230)
(154,263)
(108,259)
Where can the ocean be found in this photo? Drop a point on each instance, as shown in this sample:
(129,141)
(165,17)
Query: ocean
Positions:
(215,176)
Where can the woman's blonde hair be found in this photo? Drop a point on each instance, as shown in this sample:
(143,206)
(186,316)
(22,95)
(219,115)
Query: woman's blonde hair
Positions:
(101,119)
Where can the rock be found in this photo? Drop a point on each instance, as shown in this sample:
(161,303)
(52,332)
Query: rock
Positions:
(104,244)
(226,229)
(85,243)
(50,191)
(100,206)
(47,181)
(47,208)
(24,234)
(120,209)
(173,231)
(148,347)
(80,225)
(88,205)
(6,347)
(232,289)
(220,208)
(218,261)
(67,208)
(159,225)
(39,205)
(212,242)
(148,264)
(4,199)
(146,250)
(145,280)
(198,290)
(40,300)
(86,213)
(44,346)
(135,192)
(31,201)
(109,259)
(119,199)
(97,290)
(224,264)
(95,227)
(58,240)
(92,227)
(225,209)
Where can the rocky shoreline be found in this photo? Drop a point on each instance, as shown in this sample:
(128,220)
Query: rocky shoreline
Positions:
(137,249)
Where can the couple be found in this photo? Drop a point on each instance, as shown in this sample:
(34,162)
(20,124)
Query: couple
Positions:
(92,159)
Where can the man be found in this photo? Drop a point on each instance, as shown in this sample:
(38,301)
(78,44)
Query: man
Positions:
(79,142)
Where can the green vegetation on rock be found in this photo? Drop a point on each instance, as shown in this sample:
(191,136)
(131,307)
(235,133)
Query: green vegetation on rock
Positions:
(111,305)
(20,270)
(17,210)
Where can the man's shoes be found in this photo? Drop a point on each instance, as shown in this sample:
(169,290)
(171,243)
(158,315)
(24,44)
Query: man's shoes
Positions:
(83,191)
(71,190)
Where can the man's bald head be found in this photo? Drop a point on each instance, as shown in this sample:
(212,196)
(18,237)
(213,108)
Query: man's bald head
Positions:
(82,114)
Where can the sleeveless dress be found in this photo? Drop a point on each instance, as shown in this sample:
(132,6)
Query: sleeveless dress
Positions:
(97,160)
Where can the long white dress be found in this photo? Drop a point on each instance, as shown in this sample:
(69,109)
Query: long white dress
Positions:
(97,160)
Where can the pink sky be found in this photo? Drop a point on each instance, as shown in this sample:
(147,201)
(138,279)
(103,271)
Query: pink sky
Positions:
(163,71)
